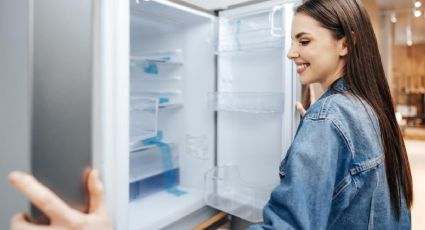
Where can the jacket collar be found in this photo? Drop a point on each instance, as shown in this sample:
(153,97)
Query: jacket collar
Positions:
(339,86)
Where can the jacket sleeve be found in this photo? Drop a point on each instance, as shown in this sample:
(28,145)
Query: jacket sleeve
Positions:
(304,197)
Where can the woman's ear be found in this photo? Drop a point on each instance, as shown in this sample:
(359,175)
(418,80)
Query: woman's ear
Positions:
(343,47)
(343,44)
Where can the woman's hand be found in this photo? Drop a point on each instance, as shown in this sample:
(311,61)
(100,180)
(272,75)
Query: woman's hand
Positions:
(300,108)
(60,214)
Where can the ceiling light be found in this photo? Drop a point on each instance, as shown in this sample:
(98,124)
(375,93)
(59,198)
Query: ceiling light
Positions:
(418,13)
(418,4)
(393,18)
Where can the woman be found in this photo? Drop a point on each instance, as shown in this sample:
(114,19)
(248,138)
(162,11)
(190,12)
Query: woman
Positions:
(347,167)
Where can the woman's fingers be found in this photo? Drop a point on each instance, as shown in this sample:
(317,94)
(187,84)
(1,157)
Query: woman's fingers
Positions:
(96,194)
(60,214)
(42,197)
(19,222)
(98,208)
(300,109)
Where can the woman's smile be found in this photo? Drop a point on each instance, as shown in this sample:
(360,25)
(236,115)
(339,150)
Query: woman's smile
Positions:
(301,67)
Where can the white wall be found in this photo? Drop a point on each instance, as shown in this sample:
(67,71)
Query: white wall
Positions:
(14,102)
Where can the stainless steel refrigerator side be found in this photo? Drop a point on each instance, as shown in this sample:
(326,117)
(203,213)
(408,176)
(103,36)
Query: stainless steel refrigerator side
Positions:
(62,99)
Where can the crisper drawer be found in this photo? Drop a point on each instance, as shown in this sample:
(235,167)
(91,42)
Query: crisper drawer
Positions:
(255,30)
(154,168)
(153,160)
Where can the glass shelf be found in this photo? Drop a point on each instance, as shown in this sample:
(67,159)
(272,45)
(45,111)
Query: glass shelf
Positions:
(158,61)
(249,102)
(153,77)
(161,57)
(159,93)
(163,106)
(161,64)
(143,118)
(167,99)
(226,191)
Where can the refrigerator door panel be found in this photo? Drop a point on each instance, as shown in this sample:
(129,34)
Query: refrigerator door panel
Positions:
(78,114)
(254,104)
(61,145)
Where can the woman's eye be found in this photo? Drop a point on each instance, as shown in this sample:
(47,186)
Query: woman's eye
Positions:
(304,43)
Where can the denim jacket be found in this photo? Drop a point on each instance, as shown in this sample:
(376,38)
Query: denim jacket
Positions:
(333,175)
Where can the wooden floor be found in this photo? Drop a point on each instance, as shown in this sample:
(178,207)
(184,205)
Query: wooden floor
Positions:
(416,152)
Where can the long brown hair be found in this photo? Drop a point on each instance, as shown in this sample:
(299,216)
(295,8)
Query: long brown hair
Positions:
(366,78)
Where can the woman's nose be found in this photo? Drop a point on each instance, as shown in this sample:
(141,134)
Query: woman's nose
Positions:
(292,53)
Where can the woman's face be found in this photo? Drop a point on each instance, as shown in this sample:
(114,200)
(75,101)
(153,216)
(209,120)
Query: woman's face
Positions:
(320,58)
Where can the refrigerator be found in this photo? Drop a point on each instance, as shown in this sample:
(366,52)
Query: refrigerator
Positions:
(190,111)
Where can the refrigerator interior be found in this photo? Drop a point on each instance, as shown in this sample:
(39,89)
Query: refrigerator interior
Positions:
(178,117)
(172,142)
